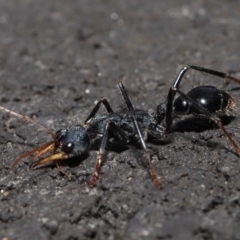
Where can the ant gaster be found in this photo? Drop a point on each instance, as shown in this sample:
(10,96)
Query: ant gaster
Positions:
(203,101)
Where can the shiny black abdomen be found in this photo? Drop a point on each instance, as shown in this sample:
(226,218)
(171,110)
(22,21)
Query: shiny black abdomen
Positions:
(211,98)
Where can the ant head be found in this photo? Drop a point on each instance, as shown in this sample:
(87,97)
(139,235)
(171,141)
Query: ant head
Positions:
(181,106)
(70,141)
(73,140)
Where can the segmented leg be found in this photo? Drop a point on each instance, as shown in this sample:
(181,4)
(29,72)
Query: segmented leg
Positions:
(99,156)
(140,134)
(96,108)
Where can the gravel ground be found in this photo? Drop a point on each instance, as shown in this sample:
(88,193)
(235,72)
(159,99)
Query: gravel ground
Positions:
(57,58)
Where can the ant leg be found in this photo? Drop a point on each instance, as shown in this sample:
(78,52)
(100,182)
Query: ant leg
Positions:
(212,117)
(97,106)
(140,134)
(169,109)
(151,168)
(99,156)
(170,98)
(201,69)
(215,73)
(179,77)
(122,137)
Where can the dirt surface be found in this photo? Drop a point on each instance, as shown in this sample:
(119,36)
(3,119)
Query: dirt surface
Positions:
(57,58)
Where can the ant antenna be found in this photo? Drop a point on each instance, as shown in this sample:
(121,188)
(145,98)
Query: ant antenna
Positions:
(26,118)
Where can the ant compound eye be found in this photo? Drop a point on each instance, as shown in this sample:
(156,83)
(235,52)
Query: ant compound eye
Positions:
(67,147)
(181,106)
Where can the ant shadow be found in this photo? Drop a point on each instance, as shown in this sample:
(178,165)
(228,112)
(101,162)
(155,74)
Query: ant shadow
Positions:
(195,124)
(198,125)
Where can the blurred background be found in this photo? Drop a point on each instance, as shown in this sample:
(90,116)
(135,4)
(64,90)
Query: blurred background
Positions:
(57,59)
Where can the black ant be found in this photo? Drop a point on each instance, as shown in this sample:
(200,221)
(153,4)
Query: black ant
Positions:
(76,140)
(203,101)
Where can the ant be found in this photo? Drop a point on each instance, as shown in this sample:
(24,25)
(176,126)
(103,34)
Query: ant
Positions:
(75,140)
(203,101)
